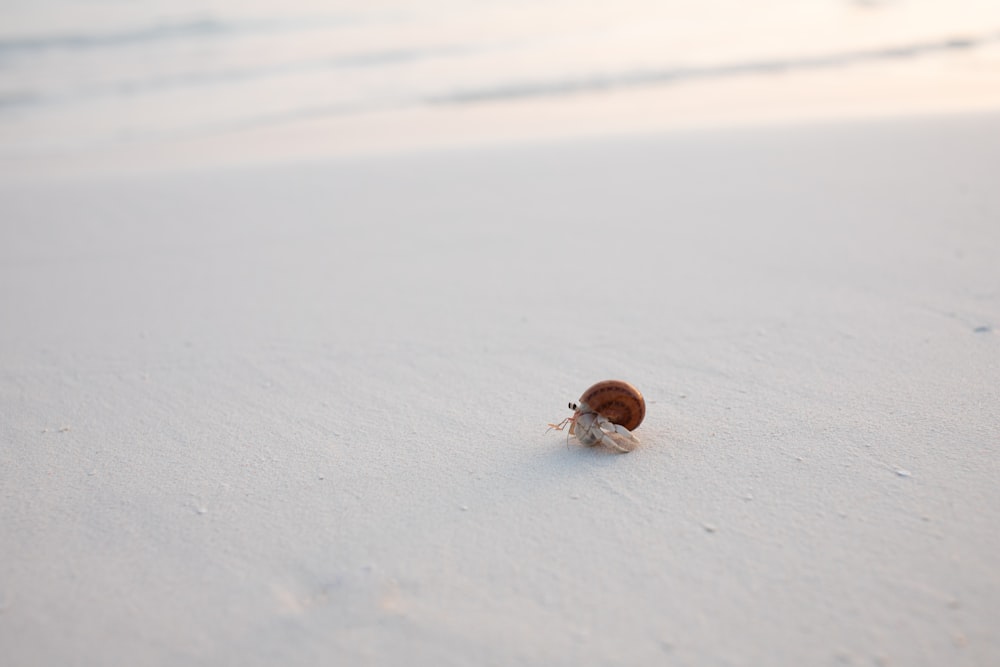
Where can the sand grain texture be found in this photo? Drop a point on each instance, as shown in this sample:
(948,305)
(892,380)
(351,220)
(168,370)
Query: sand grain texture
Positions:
(296,414)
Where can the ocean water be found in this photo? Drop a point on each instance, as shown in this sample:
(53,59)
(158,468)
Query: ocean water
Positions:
(78,75)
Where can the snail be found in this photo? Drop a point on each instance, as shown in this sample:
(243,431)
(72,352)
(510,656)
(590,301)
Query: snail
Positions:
(607,414)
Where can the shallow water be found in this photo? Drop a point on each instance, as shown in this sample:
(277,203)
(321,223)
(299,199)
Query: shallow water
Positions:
(92,74)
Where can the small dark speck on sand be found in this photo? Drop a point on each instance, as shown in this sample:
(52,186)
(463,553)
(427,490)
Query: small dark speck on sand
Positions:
(983,329)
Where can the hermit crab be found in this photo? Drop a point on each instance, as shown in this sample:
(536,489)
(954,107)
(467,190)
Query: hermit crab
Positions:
(606,415)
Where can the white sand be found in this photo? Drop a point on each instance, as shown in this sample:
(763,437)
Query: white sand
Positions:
(296,415)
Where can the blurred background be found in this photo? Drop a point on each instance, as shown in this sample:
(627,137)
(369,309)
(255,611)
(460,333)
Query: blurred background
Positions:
(142,83)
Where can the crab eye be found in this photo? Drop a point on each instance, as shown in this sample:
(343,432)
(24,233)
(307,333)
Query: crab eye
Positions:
(572,406)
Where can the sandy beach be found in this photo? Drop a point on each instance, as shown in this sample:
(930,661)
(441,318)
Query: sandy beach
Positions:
(296,413)
(290,293)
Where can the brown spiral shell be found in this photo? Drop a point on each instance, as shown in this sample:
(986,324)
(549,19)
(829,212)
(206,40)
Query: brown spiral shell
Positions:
(619,401)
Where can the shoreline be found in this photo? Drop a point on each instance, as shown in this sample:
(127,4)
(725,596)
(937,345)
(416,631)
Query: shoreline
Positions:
(882,91)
